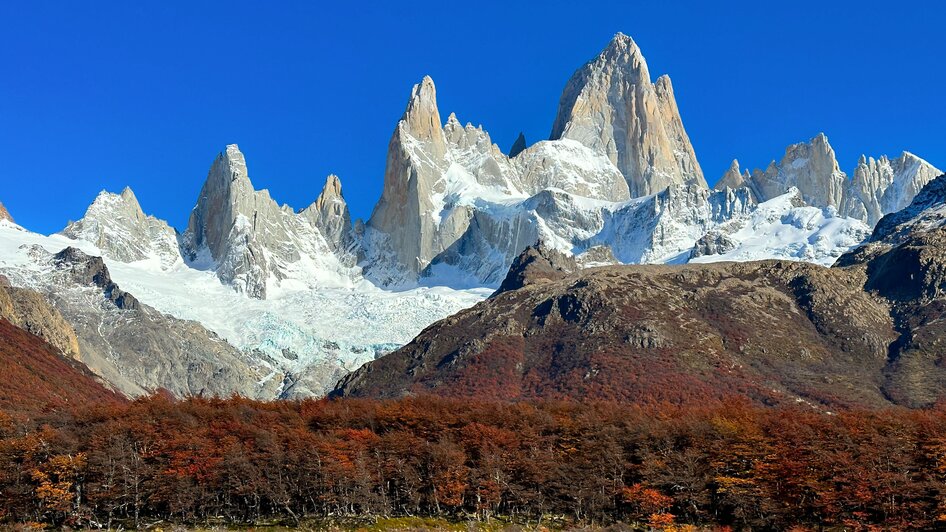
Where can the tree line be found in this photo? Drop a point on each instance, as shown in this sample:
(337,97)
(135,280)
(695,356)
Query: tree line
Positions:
(242,461)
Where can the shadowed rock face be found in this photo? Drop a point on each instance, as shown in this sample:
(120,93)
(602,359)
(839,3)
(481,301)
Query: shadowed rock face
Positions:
(866,332)
(518,146)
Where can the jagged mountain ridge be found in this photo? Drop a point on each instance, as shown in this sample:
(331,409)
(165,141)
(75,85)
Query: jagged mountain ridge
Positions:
(456,211)
(878,186)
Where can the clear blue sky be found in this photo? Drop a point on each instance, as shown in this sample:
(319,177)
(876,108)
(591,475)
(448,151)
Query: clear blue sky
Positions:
(145,94)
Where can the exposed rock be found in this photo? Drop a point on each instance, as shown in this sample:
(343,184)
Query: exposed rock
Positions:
(611,106)
(116,225)
(811,167)
(130,345)
(879,186)
(5,214)
(537,264)
(733,178)
(713,243)
(330,215)
(251,241)
(882,186)
(91,271)
(31,312)
(518,146)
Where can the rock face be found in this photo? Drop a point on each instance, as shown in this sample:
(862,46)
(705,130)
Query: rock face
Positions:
(116,224)
(883,186)
(879,186)
(611,106)
(733,178)
(330,215)
(811,167)
(30,311)
(251,241)
(4,214)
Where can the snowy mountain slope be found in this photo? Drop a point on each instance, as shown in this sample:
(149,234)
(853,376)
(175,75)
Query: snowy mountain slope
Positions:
(134,347)
(300,340)
(781,228)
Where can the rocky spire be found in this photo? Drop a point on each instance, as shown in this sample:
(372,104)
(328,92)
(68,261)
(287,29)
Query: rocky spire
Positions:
(331,215)
(611,106)
(252,241)
(4,214)
(403,218)
(882,186)
(518,146)
(732,178)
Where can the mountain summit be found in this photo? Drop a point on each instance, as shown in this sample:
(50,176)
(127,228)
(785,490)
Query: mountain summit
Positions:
(611,106)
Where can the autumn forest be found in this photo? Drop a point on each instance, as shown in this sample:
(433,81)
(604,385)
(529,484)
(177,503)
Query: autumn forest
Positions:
(729,465)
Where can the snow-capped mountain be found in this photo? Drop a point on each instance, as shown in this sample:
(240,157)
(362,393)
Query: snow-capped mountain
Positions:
(115,224)
(291,300)
(611,106)
(254,244)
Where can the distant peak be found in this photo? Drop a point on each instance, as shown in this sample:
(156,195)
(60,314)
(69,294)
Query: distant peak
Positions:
(333,187)
(518,146)
(621,45)
(128,195)
(422,118)
(424,92)
(621,39)
(5,214)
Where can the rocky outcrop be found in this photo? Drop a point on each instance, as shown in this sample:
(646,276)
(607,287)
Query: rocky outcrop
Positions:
(249,239)
(116,225)
(85,270)
(5,214)
(811,167)
(611,106)
(733,178)
(518,146)
(537,263)
(30,311)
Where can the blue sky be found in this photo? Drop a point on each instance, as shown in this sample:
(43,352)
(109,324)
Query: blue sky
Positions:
(145,94)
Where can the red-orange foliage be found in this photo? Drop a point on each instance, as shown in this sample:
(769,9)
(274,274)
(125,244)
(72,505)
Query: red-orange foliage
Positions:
(728,464)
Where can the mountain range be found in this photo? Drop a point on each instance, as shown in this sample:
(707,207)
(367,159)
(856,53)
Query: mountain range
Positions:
(266,300)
